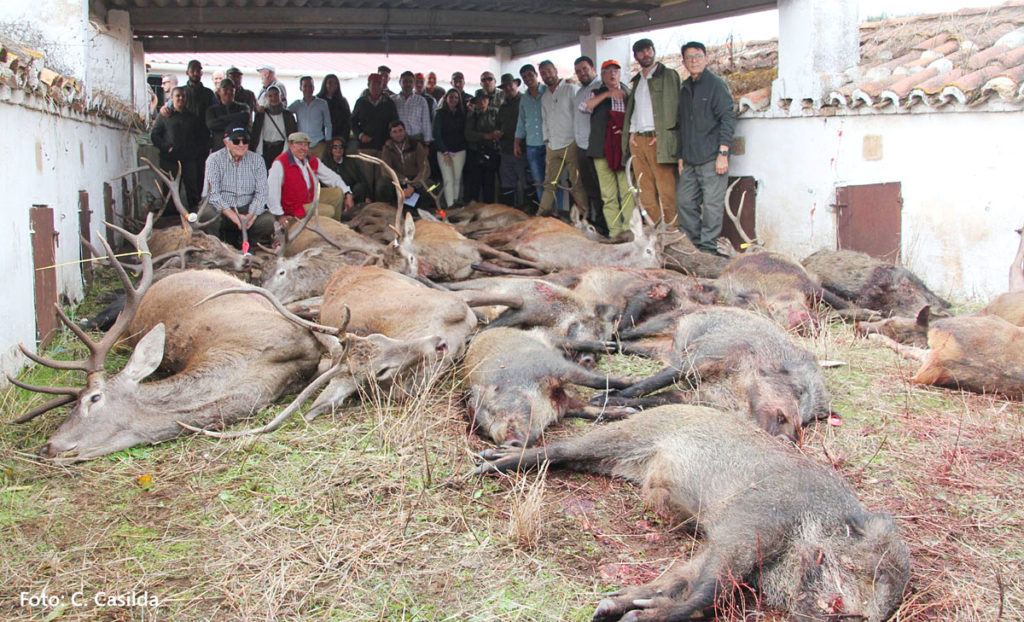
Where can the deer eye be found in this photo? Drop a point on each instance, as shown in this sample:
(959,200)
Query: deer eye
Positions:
(781,419)
(95,398)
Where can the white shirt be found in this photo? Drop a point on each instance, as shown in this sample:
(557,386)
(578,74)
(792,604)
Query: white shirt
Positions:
(275,178)
(582,119)
(643,110)
(558,109)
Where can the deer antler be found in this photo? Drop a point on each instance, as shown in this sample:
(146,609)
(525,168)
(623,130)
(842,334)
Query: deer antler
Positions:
(394,180)
(1017,267)
(97,350)
(285,237)
(735,217)
(634,189)
(172,188)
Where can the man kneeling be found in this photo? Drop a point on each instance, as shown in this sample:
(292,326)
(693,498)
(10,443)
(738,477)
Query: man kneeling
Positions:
(237,189)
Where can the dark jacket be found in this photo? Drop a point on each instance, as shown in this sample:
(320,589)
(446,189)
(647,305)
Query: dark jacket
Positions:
(478,123)
(341,116)
(373,120)
(198,98)
(450,130)
(220,117)
(706,118)
(349,170)
(508,117)
(290,125)
(181,136)
(599,123)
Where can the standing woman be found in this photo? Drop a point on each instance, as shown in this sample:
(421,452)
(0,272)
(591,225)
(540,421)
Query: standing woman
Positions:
(450,139)
(330,90)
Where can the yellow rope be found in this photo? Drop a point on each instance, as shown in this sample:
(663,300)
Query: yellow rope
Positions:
(137,253)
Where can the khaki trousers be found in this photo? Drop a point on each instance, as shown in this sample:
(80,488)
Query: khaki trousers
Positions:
(332,202)
(657,181)
(618,200)
(561,162)
(319,151)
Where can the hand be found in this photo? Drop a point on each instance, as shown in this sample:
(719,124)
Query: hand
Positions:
(232,216)
(517,149)
(282,221)
(654,140)
(165,111)
(632,140)
(407,191)
(497,134)
(249,220)
(722,164)
(617,94)
(680,166)
(259,108)
(447,158)
(349,202)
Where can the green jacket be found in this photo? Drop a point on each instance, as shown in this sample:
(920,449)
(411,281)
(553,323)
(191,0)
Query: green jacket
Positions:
(664,86)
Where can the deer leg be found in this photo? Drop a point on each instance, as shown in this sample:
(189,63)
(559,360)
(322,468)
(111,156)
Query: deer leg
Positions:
(492,268)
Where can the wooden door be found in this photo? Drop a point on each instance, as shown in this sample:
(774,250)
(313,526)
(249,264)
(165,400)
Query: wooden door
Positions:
(869,219)
(43,258)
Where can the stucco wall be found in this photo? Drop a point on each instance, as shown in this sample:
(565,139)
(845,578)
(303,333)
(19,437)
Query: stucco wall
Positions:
(962,196)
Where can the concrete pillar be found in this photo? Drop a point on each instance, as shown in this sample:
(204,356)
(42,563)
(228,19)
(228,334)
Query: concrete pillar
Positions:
(503,61)
(601,48)
(818,40)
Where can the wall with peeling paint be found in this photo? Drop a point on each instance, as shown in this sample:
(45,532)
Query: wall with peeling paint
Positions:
(961,194)
(68,106)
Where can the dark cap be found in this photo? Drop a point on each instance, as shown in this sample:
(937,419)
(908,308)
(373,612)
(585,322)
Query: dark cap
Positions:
(375,79)
(642,44)
(236,132)
(226,82)
(383,68)
(507,78)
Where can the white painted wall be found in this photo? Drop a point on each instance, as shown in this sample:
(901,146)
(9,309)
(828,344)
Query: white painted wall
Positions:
(962,196)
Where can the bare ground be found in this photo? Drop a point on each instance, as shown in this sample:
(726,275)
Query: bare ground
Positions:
(370,514)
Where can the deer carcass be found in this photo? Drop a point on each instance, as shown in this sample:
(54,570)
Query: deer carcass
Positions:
(225,361)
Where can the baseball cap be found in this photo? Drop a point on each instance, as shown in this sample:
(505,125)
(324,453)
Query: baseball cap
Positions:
(236,132)
(269,68)
(610,63)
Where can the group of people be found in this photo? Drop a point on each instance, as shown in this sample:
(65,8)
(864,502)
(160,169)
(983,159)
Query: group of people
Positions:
(255,157)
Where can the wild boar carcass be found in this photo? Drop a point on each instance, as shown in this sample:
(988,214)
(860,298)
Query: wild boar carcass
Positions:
(771,518)
(517,386)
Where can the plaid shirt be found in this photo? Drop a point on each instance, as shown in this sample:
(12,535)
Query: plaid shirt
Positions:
(415,113)
(241,184)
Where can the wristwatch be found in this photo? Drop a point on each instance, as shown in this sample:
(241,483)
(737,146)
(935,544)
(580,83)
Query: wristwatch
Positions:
(724,152)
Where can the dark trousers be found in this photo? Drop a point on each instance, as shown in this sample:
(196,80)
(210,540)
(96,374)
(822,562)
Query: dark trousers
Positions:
(471,177)
(192,173)
(592,186)
(271,150)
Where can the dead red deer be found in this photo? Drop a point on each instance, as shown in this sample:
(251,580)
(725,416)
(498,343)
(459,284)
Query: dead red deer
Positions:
(478,219)
(558,246)
(225,360)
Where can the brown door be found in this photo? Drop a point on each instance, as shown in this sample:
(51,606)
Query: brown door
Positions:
(868,219)
(745,191)
(43,258)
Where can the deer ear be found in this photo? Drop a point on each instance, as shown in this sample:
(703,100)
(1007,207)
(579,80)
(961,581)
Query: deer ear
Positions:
(636,224)
(425,215)
(147,355)
(924,316)
(574,215)
(409,230)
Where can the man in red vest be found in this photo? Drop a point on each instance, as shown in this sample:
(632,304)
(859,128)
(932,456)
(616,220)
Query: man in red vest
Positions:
(291,185)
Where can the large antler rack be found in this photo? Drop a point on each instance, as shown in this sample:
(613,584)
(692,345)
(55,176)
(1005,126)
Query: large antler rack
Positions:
(174,195)
(98,350)
(394,180)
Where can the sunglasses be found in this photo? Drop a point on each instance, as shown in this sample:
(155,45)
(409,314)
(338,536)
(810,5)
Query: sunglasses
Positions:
(240,141)
(487,79)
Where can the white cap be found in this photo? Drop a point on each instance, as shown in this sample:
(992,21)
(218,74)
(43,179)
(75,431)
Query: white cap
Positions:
(269,68)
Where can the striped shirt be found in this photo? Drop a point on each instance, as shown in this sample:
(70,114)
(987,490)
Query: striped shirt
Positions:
(241,184)
(414,111)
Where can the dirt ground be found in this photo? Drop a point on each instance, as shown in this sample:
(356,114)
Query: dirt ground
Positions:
(371,514)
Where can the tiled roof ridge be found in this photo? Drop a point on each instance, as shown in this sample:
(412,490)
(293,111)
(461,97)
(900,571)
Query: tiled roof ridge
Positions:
(24,70)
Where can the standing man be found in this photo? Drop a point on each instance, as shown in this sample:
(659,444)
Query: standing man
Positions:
(272,127)
(513,167)
(483,133)
(385,78)
(489,88)
(226,113)
(237,182)
(437,92)
(181,138)
(291,187)
(651,123)
(268,75)
(589,82)
(530,129)
(314,117)
(606,109)
(420,88)
(706,124)
(198,98)
(413,110)
(371,116)
(558,111)
(242,95)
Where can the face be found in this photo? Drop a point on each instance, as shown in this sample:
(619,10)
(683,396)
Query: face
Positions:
(299,150)
(645,57)
(610,76)
(584,72)
(695,61)
(168,84)
(266,76)
(178,99)
(509,90)
(398,134)
(337,150)
(235,77)
(487,81)
(431,80)
(529,78)
(195,72)
(385,77)
(306,86)
(333,86)
(549,75)
(458,81)
(226,94)
(376,88)
(237,146)
(407,83)
(274,97)
(452,99)
(419,85)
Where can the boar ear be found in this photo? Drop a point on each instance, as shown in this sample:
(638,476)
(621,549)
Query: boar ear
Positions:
(924,316)
(147,355)
(409,230)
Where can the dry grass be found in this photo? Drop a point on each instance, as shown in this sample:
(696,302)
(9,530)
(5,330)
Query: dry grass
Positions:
(369,514)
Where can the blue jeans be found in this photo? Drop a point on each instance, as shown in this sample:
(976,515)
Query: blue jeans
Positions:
(535,156)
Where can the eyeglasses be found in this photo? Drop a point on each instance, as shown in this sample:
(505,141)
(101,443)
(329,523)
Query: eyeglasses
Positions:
(693,57)
(240,141)
(487,79)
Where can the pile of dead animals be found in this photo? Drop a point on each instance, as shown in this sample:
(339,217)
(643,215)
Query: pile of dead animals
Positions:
(503,299)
